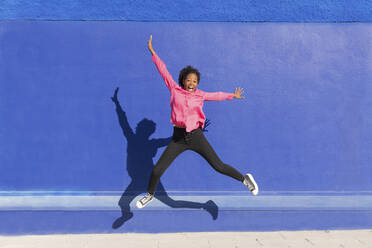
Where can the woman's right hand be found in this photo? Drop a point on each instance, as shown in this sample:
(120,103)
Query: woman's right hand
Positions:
(149,45)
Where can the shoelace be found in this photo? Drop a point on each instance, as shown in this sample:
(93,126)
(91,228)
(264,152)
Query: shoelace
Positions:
(146,198)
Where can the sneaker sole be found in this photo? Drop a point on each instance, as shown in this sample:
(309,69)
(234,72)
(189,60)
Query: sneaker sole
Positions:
(140,205)
(255,191)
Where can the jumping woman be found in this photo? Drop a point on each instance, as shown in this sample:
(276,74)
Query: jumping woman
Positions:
(188,120)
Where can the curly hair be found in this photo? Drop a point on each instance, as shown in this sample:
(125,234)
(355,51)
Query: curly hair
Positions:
(186,71)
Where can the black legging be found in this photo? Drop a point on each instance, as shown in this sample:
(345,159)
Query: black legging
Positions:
(195,141)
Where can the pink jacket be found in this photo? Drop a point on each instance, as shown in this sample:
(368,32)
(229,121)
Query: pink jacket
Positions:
(186,106)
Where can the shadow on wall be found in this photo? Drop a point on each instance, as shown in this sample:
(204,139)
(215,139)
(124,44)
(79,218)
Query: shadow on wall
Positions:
(140,151)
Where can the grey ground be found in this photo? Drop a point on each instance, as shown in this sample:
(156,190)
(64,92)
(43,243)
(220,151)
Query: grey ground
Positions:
(300,239)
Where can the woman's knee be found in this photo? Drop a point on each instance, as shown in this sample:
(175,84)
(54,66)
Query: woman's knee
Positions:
(220,167)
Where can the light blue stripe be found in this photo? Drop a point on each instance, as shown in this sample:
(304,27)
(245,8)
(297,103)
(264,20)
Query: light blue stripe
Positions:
(108,201)
(192,193)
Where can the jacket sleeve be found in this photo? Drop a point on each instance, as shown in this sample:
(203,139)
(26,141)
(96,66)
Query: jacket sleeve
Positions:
(218,96)
(167,77)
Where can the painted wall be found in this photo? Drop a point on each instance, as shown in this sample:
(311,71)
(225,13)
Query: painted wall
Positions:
(191,10)
(304,124)
(302,130)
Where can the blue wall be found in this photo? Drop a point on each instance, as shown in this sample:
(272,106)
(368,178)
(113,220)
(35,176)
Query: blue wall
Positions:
(191,10)
(302,130)
(304,124)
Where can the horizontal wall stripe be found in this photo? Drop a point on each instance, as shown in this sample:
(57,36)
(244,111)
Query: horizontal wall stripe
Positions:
(194,10)
(179,193)
(243,202)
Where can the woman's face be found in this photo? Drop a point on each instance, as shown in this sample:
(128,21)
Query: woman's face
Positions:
(190,82)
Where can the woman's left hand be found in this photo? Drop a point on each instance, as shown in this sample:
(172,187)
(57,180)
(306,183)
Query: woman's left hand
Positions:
(238,93)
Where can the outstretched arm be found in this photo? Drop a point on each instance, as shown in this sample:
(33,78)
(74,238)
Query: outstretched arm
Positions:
(123,121)
(149,45)
(167,77)
(162,142)
(219,96)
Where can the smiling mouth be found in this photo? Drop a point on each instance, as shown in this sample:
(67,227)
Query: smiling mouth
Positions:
(190,88)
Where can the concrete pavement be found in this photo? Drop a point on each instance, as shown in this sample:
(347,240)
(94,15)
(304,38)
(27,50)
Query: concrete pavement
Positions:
(298,239)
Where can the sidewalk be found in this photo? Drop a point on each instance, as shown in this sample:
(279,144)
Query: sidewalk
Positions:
(294,239)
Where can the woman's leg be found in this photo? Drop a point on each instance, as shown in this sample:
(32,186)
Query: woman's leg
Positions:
(201,145)
(165,160)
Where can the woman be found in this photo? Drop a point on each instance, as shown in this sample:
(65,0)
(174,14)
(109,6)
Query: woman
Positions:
(188,119)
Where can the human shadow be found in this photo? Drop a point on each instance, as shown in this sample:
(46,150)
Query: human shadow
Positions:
(140,151)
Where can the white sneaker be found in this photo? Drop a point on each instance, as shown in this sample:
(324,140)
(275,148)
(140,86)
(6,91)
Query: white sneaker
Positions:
(144,200)
(251,184)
